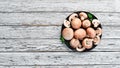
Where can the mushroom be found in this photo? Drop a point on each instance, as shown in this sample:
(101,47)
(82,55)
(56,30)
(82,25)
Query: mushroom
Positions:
(86,23)
(75,43)
(96,40)
(72,16)
(83,15)
(80,49)
(87,43)
(66,23)
(67,33)
(76,23)
(91,32)
(80,33)
(99,31)
(95,22)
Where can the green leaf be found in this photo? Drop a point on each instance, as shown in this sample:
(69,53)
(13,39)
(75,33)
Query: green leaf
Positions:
(62,39)
(90,16)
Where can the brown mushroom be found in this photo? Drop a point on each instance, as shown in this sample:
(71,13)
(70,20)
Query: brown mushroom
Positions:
(80,33)
(67,33)
(83,15)
(96,40)
(87,43)
(66,23)
(95,22)
(72,16)
(91,32)
(86,24)
(76,23)
(99,31)
(75,43)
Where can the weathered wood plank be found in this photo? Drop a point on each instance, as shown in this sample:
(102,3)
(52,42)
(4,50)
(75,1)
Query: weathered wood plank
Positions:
(51,18)
(59,58)
(78,66)
(61,5)
(46,45)
(47,32)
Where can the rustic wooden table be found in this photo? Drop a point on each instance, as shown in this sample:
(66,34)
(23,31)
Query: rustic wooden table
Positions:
(30,31)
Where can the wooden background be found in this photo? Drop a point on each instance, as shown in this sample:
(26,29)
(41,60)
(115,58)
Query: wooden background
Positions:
(30,31)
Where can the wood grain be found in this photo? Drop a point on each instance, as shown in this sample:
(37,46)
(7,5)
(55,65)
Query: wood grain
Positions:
(59,58)
(52,45)
(47,32)
(78,66)
(68,5)
(51,18)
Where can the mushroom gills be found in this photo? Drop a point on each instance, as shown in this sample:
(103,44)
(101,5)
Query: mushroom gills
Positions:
(66,23)
(95,22)
(96,40)
(87,43)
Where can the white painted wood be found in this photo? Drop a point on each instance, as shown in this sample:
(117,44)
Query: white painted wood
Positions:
(47,32)
(51,18)
(68,5)
(60,58)
(78,66)
(55,45)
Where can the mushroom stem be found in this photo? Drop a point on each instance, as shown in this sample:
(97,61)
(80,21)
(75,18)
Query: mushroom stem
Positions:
(80,49)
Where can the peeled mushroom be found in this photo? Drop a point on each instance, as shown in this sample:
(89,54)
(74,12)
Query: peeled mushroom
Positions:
(96,40)
(67,33)
(83,15)
(76,23)
(95,22)
(75,43)
(66,23)
(80,33)
(99,31)
(86,23)
(74,15)
(87,43)
(91,32)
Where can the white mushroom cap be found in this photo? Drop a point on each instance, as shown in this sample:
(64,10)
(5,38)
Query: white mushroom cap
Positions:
(76,23)
(99,31)
(66,23)
(67,33)
(75,43)
(74,15)
(95,22)
(83,15)
(96,40)
(80,33)
(87,43)
(91,32)
(86,23)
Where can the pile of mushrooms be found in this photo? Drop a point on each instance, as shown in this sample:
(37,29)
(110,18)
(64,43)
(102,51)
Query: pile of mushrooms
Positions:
(81,33)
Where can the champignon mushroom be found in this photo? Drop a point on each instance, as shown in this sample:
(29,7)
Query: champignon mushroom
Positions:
(83,15)
(95,22)
(80,33)
(75,43)
(96,40)
(99,31)
(66,23)
(86,23)
(87,43)
(67,33)
(91,32)
(76,23)
(80,49)
(72,16)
